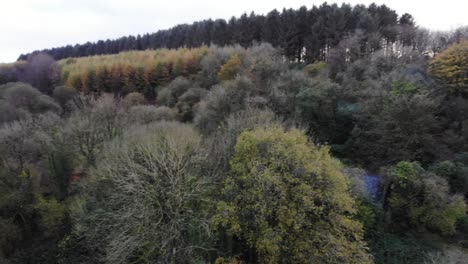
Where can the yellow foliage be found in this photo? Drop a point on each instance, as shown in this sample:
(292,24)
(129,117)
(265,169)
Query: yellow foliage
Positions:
(230,69)
(451,67)
(288,197)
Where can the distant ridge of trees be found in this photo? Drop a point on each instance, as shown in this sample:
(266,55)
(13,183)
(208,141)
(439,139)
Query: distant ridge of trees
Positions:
(303,34)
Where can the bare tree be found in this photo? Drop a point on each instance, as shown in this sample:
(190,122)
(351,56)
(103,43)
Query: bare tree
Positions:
(146,197)
(97,122)
(42,72)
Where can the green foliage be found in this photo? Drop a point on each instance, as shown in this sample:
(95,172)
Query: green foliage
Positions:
(455,172)
(62,160)
(64,95)
(53,215)
(140,189)
(229,260)
(282,197)
(405,124)
(399,88)
(317,105)
(188,101)
(394,249)
(421,199)
(16,210)
(370,214)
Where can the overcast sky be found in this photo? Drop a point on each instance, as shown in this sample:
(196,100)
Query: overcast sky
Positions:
(27,25)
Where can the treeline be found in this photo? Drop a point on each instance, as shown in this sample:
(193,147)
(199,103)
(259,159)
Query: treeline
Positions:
(303,34)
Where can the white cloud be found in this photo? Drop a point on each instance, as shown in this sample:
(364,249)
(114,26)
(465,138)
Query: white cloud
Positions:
(27,25)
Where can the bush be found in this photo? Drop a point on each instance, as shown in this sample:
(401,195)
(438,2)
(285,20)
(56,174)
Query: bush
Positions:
(133,99)
(63,95)
(169,95)
(146,114)
(421,199)
(53,215)
(188,101)
(20,97)
(223,100)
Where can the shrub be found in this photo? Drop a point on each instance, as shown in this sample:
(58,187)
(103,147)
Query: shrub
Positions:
(223,100)
(53,215)
(422,199)
(169,95)
(24,97)
(63,95)
(146,114)
(188,101)
(133,99)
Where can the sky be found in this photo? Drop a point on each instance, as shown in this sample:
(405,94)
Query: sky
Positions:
(27,25)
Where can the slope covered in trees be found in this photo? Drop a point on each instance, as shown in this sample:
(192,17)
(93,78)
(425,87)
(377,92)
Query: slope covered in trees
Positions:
(241,153)
(213,169)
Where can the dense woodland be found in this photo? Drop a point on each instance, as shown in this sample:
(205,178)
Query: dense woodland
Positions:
(248,141)
(303,34)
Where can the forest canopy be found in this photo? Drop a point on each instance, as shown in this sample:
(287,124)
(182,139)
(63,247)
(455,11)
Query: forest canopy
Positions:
(334,134)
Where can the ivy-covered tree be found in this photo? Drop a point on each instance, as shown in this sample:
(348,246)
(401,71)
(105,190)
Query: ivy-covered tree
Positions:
(450,67)
(288,201)
(419,199)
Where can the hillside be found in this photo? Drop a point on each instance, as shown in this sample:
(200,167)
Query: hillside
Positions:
(341,140)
